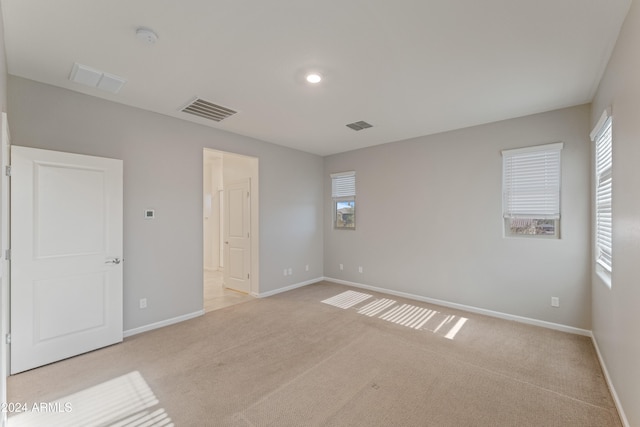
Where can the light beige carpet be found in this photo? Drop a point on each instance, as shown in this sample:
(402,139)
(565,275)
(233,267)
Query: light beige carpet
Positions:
(357,359)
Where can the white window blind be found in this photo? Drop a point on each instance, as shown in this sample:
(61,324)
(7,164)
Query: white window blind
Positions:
(343,184)
(604,162)
(531,182)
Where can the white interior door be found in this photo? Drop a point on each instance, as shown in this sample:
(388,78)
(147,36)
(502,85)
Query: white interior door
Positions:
(237,236)
(66,251)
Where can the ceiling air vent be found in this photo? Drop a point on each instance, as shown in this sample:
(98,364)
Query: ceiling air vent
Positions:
(359,125)
(208,110)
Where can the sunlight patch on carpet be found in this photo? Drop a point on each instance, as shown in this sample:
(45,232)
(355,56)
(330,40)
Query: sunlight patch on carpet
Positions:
(456,327)
(376,307)
(126,401)
(347,299)
(408,315)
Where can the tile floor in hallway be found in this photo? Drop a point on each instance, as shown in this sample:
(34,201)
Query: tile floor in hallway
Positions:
(216,295)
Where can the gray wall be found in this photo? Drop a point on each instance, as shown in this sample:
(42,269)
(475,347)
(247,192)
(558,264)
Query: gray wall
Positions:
(616,314)
(429,221)
(3,67)
(163,169)
(4,288)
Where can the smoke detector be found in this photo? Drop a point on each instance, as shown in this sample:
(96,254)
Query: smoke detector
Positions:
(147,35)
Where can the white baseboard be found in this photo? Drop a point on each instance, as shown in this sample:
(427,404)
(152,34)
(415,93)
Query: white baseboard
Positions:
(506,316)
(288,288)
(162,323)
(612,389)
(182,318)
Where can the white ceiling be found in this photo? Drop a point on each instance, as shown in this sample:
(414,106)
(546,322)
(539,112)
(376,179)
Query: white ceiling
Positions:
(409,68)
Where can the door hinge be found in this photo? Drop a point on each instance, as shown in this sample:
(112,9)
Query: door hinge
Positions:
(7,254)
(8,338)
(7,170)
(247,275)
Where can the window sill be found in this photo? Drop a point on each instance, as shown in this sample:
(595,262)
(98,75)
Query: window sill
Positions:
(604,275)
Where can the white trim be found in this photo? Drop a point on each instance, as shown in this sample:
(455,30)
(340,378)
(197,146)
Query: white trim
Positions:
(162,323)
(532,149)
(342,174)
(603,118)
(288,288)
(471,309)
(603,274)
(612,389)
(5,279)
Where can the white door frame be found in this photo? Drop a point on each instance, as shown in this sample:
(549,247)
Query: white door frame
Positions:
(230,173)
(4,263)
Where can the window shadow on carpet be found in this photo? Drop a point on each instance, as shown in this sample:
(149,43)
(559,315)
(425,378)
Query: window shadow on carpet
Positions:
(408,315)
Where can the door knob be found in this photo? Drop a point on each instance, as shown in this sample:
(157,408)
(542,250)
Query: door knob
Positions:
(113,261)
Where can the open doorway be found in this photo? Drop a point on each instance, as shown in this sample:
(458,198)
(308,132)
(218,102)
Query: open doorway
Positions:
(230,228)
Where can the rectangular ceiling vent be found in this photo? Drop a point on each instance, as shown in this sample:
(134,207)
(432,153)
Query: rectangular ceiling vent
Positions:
(359,125)
(96,78)
(208,110)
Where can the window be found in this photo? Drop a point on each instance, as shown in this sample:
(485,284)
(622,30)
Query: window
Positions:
(343,192)
(531,190)
(602,136)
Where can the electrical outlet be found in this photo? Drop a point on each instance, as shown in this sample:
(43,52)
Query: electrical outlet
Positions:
(306,267)
(290,271)
(360,269)
(341,267)
(284,272)
(143,303)
(555,302)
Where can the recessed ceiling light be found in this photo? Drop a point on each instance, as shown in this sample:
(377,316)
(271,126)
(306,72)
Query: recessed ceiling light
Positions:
(314,78)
